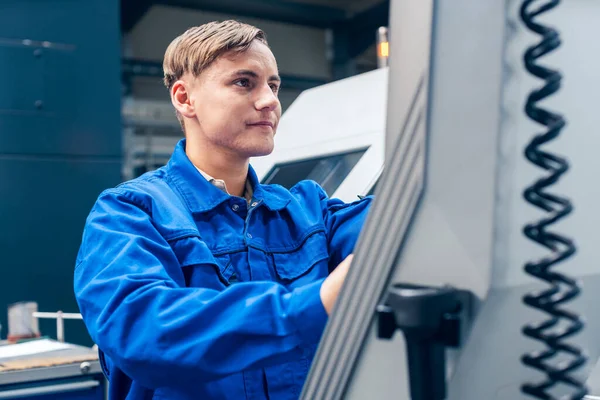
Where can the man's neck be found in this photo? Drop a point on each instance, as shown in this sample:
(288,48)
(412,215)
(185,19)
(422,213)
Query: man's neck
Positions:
(232,170)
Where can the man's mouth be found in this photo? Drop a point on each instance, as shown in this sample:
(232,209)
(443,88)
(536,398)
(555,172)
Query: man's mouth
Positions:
(262,123)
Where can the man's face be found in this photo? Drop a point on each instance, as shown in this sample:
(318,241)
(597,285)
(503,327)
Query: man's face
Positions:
(235,103)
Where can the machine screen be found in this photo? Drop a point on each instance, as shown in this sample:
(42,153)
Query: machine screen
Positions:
(329,171)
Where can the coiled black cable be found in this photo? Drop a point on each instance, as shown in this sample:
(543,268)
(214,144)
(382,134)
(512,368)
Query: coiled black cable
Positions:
(561,323)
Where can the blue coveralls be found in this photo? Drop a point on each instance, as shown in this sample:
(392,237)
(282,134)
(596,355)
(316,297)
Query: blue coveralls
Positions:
(191,293)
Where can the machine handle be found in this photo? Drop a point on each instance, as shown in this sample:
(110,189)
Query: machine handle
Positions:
(431,320)
(49,389)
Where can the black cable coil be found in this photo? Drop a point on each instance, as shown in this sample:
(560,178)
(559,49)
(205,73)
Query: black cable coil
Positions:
(561,323)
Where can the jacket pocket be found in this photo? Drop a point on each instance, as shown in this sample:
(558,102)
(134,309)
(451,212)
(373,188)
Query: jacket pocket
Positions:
(202,268)
(308,259)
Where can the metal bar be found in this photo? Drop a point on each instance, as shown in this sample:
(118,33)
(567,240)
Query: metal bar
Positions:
(54,315)
(49,389)
(60,324)
(60,327)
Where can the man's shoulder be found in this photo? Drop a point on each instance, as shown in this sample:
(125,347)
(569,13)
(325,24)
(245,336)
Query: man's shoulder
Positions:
(155,196)
(149,190)
(150,181)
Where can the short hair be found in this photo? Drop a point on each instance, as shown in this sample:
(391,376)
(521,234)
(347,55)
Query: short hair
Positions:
(198,47)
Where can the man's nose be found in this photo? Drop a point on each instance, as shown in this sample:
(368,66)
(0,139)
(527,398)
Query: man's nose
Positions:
(266,99)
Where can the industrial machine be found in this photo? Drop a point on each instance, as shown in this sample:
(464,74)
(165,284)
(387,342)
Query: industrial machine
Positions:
(435,306)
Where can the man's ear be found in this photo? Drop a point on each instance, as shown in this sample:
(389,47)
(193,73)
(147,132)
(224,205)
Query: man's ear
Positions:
(180,97)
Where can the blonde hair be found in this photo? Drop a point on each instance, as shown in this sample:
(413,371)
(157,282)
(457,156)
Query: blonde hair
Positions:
(197,48)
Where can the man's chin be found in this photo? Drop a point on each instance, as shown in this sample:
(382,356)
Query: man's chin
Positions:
(262,149)
(262,152)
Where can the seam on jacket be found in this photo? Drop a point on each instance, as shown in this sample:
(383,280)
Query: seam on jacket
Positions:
(299,243)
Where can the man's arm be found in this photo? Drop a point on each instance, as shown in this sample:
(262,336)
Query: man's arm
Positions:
(132,295)
(343,222)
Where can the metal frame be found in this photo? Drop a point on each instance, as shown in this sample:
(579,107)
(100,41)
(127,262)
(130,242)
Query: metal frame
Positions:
(42,374)
(59,316)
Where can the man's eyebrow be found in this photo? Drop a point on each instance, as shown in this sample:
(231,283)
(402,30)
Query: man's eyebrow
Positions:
(252,74)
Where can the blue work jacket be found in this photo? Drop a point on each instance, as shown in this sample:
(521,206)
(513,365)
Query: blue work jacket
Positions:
(191,293)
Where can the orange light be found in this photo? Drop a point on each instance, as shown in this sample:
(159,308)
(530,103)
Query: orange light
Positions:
(384,49)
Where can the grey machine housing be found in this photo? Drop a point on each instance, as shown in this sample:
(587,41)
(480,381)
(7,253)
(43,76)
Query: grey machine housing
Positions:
(443,211)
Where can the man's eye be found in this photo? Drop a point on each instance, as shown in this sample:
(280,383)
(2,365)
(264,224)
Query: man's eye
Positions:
(274,87)
(242,83)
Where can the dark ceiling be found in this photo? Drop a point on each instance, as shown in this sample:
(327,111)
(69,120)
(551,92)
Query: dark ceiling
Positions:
(316,13)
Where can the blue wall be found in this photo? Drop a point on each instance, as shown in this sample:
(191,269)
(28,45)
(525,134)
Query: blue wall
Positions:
(60,143)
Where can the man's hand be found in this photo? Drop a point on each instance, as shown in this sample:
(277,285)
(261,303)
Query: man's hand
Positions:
(333,283)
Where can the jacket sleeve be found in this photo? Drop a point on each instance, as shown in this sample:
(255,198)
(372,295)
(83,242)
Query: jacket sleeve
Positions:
(343,222)
(132,295)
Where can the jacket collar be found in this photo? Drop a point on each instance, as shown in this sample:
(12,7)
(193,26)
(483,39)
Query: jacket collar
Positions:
(201,196)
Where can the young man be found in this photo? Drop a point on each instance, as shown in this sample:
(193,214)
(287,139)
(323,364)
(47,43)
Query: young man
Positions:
(196,281)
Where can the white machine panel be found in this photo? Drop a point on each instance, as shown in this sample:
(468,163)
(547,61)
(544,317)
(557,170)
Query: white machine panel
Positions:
(339,118)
